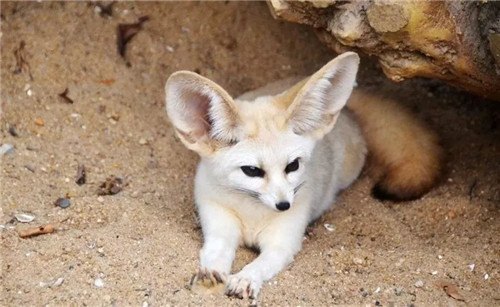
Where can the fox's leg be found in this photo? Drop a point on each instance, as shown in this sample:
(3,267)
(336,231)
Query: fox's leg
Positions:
(221,238)
(278,244)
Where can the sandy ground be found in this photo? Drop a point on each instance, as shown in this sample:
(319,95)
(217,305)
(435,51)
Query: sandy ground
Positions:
(143,242)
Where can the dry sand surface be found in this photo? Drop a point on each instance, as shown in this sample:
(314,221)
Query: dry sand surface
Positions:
(140,247)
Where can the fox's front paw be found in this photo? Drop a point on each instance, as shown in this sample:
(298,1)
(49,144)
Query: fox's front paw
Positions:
(207,279)
(242,287)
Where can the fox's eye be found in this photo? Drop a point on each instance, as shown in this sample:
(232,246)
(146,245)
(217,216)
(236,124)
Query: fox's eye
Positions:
(252,171)
(293,166)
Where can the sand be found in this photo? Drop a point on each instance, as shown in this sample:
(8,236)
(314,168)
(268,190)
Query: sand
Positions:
(140,247)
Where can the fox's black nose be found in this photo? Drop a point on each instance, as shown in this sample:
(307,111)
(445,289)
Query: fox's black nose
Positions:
(283,206)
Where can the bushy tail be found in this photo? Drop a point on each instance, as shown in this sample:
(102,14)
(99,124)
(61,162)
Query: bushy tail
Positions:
(405,155)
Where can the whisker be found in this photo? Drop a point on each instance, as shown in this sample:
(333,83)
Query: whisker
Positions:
(248,192)
(251,193)
(297,188)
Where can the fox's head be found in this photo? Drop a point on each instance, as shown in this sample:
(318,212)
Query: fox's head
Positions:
(261,148)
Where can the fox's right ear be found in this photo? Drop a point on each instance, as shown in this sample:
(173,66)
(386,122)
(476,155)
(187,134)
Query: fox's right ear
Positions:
(317,105)
(203,114)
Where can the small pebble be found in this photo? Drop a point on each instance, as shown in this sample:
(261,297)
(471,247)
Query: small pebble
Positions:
(471,266)
(486,276)
(6,149)
(145,304)
(39,122)
(63,202)
(398,291)
(357,260)
(13,131)
(440,257)
(434,272)
(170,49)
(98,282)
(29,92)
(143,141)
(329,227)
(364,293)
(58,282)
(419,284)
(81,175)
(100,199)
(400,262)
(377,290)
(29,168)
(24,218)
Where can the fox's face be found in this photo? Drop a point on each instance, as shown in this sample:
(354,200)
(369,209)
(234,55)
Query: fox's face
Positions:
(269,166)
(260,148)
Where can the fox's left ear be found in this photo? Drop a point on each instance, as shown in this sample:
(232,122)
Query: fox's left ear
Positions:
(317,105)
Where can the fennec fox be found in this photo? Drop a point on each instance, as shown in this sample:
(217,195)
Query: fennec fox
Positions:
(273,160)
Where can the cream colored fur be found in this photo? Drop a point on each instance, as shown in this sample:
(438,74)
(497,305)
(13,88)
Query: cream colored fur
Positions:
(268,128)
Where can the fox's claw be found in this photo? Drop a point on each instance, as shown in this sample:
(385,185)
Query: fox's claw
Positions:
(241,287)
(207,279)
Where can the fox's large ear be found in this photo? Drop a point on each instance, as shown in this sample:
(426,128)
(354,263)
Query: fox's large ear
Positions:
(203,114)
(317,105)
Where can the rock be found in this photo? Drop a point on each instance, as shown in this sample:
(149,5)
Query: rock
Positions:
(63,202)
(398,291)
(24,218)
(13,131)
(454,41)
(58,282)
(98,282)
(329,227)
(6,149)
(357,260)
(419,284)
(39,122)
